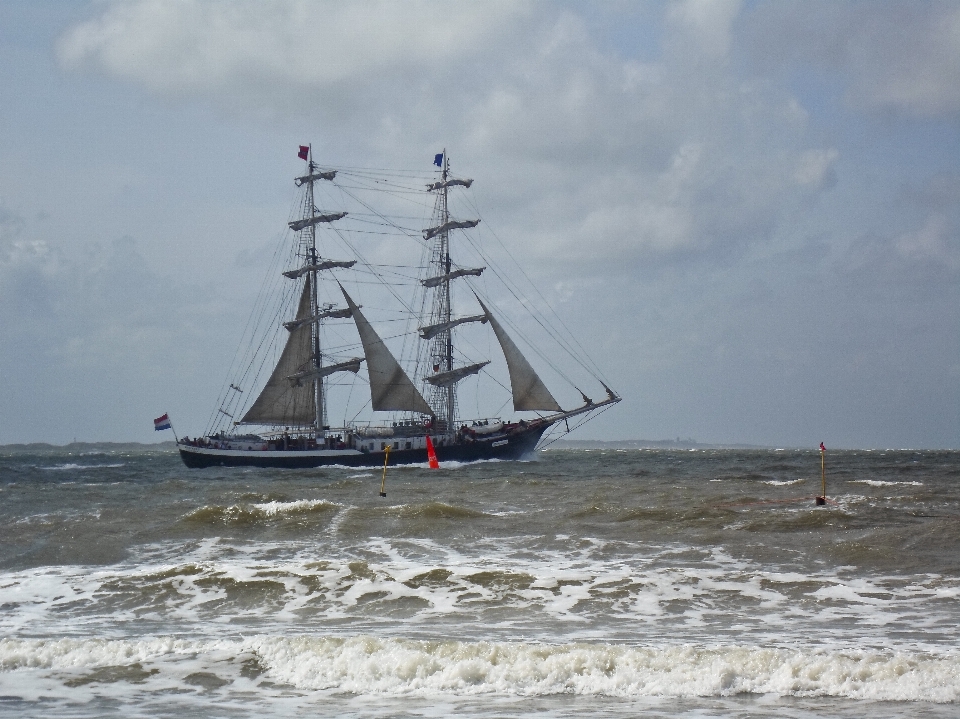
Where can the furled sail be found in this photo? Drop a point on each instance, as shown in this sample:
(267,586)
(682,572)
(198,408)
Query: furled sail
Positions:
(337,314)
(316,219)
(451,225)
(328,175)
(279,402)
(445,379)
(390,388)
(308,375)
(529,391)
(434,281)
(321,265)
(449,183)
(431,331)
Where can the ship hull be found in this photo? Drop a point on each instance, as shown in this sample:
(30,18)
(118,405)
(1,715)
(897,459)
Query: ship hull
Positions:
(516,445)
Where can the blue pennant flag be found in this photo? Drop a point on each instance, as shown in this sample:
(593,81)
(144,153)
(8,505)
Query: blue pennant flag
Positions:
(438,160)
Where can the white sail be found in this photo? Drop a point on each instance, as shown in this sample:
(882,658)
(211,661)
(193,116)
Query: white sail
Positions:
(281,403)
(529,391)
(390,388)
(435,281)
(443,379)
(451,225)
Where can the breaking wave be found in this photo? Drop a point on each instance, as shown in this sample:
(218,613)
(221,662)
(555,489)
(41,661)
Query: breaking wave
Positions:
(367,665)
(251,513)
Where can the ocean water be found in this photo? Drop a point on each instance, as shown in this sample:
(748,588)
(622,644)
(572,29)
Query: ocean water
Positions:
(607,583)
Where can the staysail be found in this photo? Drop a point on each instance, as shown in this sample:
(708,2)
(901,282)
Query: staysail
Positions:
(390,388)
(529,391)
(281,402)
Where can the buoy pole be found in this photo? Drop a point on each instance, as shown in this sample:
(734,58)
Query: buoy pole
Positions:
(383,481)
(822,499)
(432,454)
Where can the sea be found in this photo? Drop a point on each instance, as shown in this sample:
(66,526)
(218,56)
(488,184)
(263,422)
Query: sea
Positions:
(659,582)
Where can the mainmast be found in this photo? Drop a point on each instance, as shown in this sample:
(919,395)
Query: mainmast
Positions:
(443,395)
(443,399)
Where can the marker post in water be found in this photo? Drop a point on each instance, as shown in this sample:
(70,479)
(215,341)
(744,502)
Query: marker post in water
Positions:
(383,482)
(432,455)
(822,499)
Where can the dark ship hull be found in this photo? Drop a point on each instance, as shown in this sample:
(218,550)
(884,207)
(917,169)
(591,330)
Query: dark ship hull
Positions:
(505,446)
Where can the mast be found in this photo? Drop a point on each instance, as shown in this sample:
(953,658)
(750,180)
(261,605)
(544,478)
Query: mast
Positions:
(321,400)
(451,392)
(443,398)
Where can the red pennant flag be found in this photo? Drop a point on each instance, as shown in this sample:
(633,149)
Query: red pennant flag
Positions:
(432,454)
(304,152)
(822,448)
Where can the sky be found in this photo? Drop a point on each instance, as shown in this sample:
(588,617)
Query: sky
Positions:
(748,212)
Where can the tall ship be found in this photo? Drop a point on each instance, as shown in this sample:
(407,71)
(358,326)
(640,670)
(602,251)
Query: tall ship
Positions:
(391,344)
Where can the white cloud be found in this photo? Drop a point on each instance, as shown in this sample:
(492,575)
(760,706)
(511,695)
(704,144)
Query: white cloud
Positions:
(581,151)
(206,45)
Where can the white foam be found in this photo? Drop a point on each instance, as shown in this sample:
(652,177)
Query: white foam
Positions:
(784,482)
(368,665)
(494,588)
(271,509)
(882,483)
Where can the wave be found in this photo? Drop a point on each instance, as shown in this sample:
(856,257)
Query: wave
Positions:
(784,482)
(70,465)
(367,665)
(436,510)
(252,513)
(881,483)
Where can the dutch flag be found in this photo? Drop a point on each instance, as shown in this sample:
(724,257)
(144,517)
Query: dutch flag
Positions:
(161,423)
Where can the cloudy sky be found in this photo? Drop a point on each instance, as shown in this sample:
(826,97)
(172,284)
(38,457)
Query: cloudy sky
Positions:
(750,212)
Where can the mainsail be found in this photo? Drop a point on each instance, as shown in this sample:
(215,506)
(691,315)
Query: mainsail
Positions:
(390,388)
(529,391)
(280,402)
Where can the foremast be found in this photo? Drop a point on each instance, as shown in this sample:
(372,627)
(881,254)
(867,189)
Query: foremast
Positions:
(311,252)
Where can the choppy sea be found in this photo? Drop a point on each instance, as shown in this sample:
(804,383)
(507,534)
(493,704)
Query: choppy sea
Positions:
(607,583)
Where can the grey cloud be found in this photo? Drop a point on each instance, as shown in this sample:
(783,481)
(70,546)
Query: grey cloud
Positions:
(890,56)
